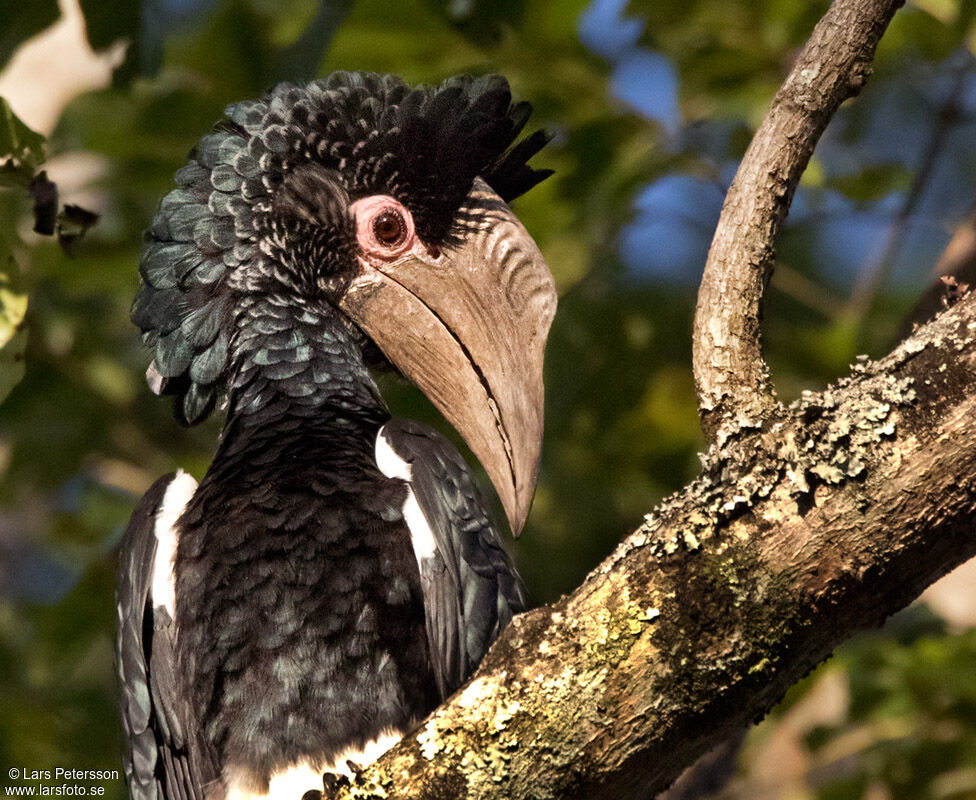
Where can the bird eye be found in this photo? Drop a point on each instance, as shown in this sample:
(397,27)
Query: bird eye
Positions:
(384,227)
(389,227)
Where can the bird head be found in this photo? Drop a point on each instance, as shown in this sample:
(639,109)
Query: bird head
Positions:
(386,204)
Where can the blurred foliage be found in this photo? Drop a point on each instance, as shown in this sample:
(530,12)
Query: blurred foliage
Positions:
(81,436)
(891,716)
(21,148)
(732,55)
(23,20)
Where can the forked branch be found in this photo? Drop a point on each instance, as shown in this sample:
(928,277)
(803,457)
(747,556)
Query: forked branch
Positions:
(734,390)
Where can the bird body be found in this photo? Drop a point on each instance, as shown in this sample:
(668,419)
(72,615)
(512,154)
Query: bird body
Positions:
(334,575)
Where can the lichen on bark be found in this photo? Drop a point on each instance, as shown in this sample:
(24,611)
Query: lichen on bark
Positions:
(807,523)
(702,618)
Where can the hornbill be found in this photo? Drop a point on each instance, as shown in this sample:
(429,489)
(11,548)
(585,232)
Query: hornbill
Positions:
(334,575)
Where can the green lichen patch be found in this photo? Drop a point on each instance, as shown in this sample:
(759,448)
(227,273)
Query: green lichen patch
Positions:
(484,713)
(824,438)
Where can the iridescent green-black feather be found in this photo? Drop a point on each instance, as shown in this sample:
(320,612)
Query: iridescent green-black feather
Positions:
(214,236)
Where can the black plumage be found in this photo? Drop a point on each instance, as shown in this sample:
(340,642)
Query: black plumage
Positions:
(307,618)
(470,589)
(153,709)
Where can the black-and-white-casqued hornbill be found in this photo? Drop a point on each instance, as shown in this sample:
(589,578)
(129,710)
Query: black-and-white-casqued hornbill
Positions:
(334,575)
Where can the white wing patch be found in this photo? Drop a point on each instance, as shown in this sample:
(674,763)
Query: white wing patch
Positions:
(292,782)
(388,461)
(391,465)
(178,494)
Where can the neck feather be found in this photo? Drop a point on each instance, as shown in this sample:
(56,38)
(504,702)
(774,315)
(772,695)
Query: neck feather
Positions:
(295,360)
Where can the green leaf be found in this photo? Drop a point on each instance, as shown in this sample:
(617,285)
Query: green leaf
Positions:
(23,20)
(21,149)
(12,362)
(13,333)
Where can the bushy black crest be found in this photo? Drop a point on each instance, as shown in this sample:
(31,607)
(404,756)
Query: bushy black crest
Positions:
(221,233)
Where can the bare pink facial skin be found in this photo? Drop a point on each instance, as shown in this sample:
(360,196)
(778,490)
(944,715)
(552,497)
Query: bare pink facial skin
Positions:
(385,232)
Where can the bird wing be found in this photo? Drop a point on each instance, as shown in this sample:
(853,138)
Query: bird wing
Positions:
(156,757)
(471,588)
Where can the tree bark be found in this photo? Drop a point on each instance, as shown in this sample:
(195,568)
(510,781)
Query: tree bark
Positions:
(793,538)
(731,375)
(807,524)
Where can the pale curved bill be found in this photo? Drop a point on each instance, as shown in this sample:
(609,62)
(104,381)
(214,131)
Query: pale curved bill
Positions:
(469,328)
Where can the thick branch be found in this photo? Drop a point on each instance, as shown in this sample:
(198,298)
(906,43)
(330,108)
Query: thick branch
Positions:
(794,537)
(826,518)
(732,378)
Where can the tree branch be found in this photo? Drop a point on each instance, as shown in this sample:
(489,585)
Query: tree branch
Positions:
(731,375)
(824,519)
(792,539)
